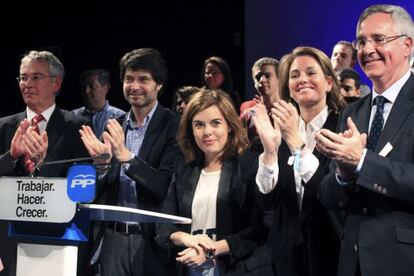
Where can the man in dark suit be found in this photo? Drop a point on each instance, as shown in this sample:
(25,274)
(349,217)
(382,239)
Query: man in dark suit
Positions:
(145,138)
(372,181)
(23,143)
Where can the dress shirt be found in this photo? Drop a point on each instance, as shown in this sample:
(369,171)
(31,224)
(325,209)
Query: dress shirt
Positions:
(46,114)
(99,118)
(267,176)
(135,135)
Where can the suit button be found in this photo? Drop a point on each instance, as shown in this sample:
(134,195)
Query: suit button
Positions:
(355,247)
(341,203)
(384,190)
(380,188)
(364,211)
(375,186)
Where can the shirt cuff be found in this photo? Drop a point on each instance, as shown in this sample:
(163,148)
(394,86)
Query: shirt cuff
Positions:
(361,161)
(267,176)
(308,166)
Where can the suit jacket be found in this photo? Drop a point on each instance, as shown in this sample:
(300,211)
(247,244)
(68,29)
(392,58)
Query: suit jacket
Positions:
(151,170)
(379,204)
(63,142)
(302,242)
(239,221)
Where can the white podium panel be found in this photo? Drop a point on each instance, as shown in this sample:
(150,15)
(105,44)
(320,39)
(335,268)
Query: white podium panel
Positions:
(46,260)
(35,199)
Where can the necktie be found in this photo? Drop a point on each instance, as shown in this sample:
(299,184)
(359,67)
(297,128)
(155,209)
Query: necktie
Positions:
(377,123)
(29,165)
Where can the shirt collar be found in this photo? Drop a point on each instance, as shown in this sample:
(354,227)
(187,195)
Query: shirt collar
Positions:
(87,111)
(391,92)
(317,122)
(46,114)
(131,119)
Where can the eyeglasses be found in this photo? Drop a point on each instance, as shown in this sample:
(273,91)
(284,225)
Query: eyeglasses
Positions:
(34,78)
(377,40)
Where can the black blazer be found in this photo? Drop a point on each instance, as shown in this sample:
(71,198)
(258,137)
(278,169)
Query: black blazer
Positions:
(239,221)
(63,142)
(306,242)
(379,226)
(151,170)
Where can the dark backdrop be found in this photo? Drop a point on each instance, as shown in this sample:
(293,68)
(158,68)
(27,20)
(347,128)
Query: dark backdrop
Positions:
(96,34)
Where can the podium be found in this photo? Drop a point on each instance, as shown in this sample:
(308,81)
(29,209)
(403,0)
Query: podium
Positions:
(50,225)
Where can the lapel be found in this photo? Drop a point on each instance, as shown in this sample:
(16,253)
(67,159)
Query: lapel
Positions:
(152,132)
(362,115)
(189,185)
(223,211)
(400,110)
(15,124)
(55,128)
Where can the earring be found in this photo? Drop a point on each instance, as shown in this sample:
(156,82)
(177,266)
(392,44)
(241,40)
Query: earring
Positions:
(229,130)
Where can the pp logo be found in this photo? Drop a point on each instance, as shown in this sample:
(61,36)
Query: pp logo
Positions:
(81,185)
(83,180)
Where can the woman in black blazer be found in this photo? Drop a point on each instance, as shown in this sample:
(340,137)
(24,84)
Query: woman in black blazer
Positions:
(304,239)
(215,186)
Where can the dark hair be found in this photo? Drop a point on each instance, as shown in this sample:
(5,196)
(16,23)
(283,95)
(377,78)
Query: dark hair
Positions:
(349,44)
(266,61)
(334,99)
(186,92)
(227,84)
(145,59)
(237,142)
(349,73)
(103,76)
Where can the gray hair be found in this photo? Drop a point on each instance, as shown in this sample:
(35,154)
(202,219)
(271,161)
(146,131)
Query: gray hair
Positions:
(399,15)
(55,66)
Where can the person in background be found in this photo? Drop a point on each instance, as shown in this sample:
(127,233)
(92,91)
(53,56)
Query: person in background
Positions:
(264,74)
(183,96)
(304,239)
(215,186)
(371,180)
(350,84)
(216,74)
(143,151)
(95,85)
(344,55)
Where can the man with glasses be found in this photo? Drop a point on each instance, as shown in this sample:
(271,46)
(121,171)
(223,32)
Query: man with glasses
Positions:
(372,183)
(43,132)
(144,150)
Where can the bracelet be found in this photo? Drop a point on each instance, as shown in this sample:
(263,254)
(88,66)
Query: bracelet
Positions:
(297,153)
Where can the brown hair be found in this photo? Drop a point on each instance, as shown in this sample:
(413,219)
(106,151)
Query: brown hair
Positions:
(237,141)
(334,99)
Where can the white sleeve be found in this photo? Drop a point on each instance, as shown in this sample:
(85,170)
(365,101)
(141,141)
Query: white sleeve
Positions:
(308,166)
(267,176)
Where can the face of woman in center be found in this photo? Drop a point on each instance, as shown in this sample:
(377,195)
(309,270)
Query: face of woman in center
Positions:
(210,131)
(308,85)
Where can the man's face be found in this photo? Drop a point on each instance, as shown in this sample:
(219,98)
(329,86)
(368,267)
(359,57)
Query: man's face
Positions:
(348,88)
(266,81)
(383,64)
(37,86)
(341,57)
(93,93)
(140,89)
